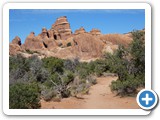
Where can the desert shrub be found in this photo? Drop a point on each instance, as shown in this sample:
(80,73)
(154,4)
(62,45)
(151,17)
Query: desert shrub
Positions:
(101,66)
(91,80)
(40,74)
(129,86)
(68,77)
(18,67)
(85,69)
(117,65)
(27,69)
(137,51)
(129,65)
(81,85)
(35,64)
(18,62)
(59,83)
(53,64)
(15,75)
(48,93)
(24,96)
(82,70)
(64,81)
(71,64)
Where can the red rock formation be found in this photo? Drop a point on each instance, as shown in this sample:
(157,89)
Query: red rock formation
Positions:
(33,43)
(15,46)
(62,26)
(16,40)
(44,34)
(116,39)
(50,43)
(95,32)
(80,31)
(88,46)
(60,42)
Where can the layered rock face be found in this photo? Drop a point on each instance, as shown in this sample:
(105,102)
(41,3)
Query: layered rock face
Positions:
(62,27)
(59,41)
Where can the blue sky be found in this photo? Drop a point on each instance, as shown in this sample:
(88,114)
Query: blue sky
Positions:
(24,21)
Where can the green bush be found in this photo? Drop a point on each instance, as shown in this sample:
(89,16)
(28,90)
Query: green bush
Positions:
(48,93)
(129,64)
(71,64)
(53,64)
(101,66)
(55,78)
(127,87)
(18,67)
(27,70)
(18,62)
(24,96)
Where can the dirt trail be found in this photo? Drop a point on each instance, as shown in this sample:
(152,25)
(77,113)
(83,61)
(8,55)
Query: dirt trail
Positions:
(99,97)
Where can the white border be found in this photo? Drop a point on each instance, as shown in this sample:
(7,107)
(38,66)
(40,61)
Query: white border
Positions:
(8,6)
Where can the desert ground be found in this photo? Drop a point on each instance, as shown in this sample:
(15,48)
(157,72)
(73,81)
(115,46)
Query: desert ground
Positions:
(99,97)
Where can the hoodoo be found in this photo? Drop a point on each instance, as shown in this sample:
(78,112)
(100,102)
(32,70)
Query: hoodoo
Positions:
(62,27)
(59,41)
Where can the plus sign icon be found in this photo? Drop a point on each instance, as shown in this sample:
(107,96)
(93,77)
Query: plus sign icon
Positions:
(147,99)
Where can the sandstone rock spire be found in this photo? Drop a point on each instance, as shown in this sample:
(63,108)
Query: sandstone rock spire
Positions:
(62,27)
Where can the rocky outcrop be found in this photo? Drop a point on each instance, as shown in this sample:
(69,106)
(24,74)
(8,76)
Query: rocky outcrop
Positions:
(44,34)
(116,39)
(16,40)
(33,42)
(50,44)
(62,27)
(60,42)
(15,46)
(95,32)
(80,31)
(87,46)
(53,34)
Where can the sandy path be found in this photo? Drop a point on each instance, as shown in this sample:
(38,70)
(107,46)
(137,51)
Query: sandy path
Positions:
(99,97)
